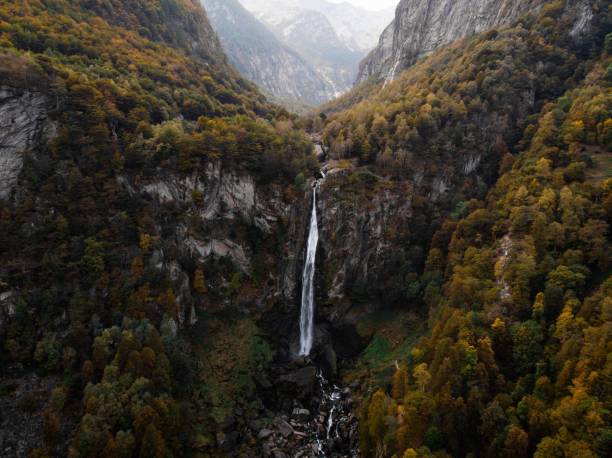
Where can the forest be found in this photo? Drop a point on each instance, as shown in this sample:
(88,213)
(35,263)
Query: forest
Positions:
(519,291)
(131,98)
(516,282)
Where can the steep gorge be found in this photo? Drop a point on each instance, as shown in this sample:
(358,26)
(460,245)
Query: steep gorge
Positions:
(259,56)
(174,213)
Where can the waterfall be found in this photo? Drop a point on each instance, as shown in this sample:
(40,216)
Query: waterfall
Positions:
(332,429)
(307,310)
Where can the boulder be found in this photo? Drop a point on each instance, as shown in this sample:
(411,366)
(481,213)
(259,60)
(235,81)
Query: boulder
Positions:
(284,428)
(264,434)
(267,449)
(228,441)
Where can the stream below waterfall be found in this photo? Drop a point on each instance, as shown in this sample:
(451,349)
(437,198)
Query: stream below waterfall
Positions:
(332,431)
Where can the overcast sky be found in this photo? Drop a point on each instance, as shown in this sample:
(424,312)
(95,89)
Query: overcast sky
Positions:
(370,4)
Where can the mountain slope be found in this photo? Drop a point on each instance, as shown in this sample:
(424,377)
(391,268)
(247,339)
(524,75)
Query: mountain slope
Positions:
(177,23)
(420,27)
(153,228)
(259,56)
(142,165)
(516,361)
(458,102)
(437,135)
(485,190)
(311,34)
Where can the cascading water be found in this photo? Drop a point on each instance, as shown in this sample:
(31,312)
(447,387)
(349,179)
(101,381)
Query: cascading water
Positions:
(307,310)
(332,432)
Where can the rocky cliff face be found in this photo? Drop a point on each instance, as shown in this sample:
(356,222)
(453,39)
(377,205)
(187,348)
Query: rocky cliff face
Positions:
(366,237)
(24,124)
(360,238)
(365,240)
(420,27)
(259,56)
(215,231)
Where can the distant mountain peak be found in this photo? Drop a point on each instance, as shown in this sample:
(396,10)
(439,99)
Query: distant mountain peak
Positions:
(259,55)
(358,29)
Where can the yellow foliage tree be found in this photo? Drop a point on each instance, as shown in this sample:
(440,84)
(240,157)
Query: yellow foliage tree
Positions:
(199,283)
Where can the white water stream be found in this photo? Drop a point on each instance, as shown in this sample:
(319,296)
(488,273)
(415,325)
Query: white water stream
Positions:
(307,310)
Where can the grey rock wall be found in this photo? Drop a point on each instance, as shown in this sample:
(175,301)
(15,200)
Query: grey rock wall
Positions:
(421,27)
(24,125)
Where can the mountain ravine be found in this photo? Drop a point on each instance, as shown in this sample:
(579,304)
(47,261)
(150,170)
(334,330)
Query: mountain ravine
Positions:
(259,56)
(419,269)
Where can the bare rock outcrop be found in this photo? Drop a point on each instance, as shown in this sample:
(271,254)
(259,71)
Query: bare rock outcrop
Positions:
(24,125)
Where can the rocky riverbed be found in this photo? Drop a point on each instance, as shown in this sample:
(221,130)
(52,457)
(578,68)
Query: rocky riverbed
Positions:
(319,422)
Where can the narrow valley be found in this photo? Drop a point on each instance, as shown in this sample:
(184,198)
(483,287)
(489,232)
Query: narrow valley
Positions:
(305,228)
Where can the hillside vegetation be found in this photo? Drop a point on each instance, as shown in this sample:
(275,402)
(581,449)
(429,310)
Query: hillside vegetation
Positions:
(516,283)
(151,251)
(139,89)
